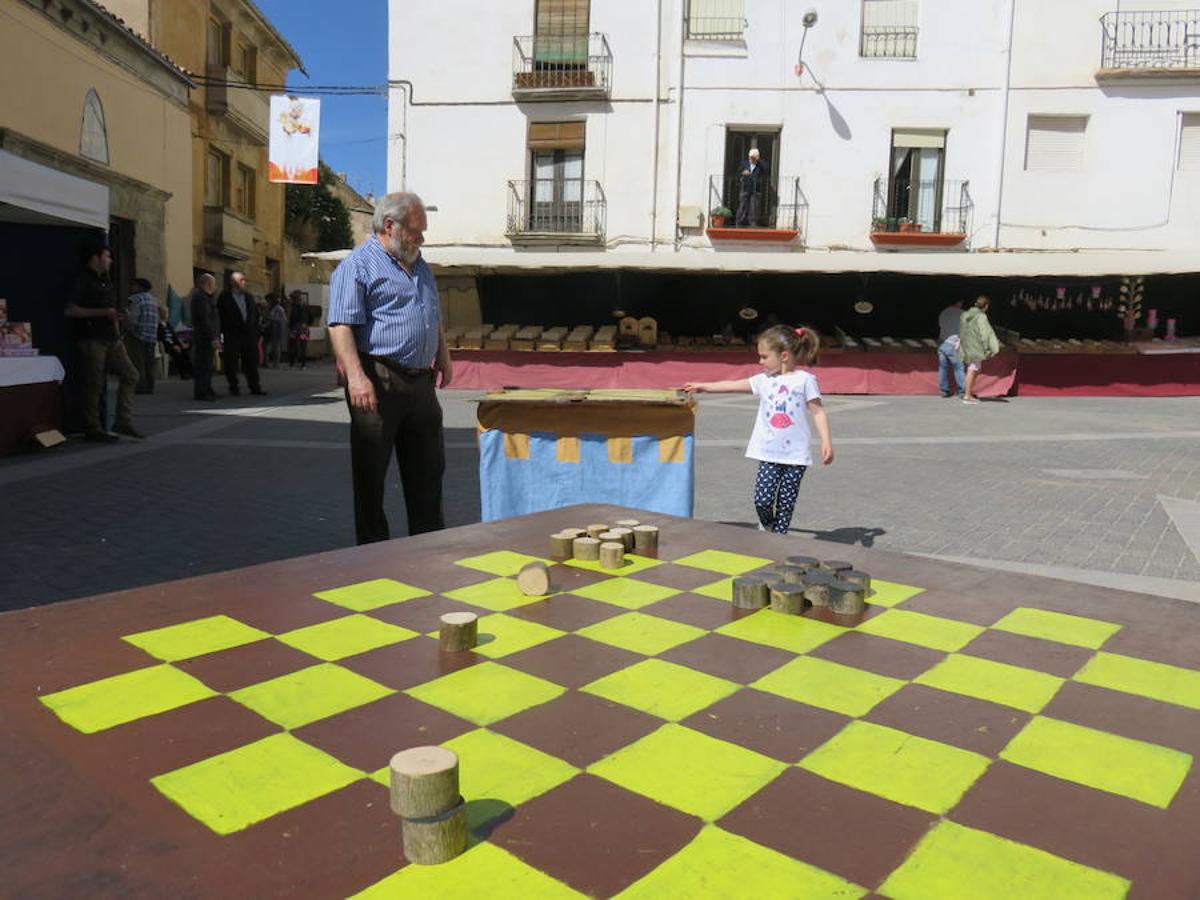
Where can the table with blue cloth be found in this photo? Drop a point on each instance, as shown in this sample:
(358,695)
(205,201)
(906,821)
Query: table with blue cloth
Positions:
(543,449)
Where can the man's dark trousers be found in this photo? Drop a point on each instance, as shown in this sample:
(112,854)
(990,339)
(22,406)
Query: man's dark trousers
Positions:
(243,356)
(202,368)
(408,423)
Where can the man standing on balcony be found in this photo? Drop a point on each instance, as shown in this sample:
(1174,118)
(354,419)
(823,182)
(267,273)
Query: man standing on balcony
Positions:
(753,184)
(385,327)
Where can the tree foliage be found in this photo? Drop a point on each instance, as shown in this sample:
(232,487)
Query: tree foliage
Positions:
(312,212)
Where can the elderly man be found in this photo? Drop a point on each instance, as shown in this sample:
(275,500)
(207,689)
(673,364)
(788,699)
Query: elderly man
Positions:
(206,331)
(753,183)
(239,315)
(386,331)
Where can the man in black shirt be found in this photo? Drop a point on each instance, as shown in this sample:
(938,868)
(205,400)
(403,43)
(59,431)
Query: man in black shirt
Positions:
(93,310)
(206,332)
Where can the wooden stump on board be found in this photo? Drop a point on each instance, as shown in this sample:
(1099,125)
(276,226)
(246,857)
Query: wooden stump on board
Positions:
(561,544)
(836,566)
(587,549)
(790,574)
(596,530)
(854,576)
(846,598)
(424,782)
(787,598)
(645,539)
(612,554)
(436,839)
(804,562)
(816,587)
(750,592)
(459,631)
(624,535)
(534,579)
(627,523)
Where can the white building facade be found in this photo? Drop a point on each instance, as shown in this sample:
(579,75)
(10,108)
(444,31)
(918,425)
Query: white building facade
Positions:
(897,135)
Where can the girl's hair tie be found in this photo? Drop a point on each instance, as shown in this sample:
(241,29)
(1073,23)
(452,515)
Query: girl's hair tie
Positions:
(799,332)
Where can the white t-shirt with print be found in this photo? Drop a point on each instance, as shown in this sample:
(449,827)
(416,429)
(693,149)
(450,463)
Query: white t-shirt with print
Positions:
(781,432)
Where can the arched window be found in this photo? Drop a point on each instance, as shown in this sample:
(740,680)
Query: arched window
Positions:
(93,135)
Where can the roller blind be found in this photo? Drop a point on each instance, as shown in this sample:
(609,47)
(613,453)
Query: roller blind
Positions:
(716,19)
(918,137)
(889,14)
(1055,143)
(1189,143)
(561,29)
(556,135)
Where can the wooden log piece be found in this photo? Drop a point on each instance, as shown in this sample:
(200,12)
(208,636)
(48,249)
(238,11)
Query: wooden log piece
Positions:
(854,576)
(561,544)
(787,598)
(534,579)
(459,631)
(612,554)
(424,782)
(750,592)
(436,839)
(645,539)
(804,562)
(847,598)
(836,566)
(586,548)
(596,530)
(625,536)
(574,532)
(816,587)
(628,523)
(790,574)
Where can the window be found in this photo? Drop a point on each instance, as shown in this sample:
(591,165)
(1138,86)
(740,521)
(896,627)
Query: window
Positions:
(243,192)
(245,59)
(1055,143)
(916,181)
(561,34)
(217,35)
(556,176)
(889,29)
(1189,143)
(93,134)
(716,20)
(216,178)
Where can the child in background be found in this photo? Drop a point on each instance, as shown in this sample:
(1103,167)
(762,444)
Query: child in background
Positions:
(780,441)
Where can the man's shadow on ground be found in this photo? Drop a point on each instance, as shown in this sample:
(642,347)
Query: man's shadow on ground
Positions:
(855,534)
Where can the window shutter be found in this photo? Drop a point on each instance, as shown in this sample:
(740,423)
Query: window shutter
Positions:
(716,19)
(889,14)
(1055,143)
(556,135)
(918,137)
(1189,143)
(562,17)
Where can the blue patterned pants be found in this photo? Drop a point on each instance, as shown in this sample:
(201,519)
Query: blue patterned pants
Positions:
(775,492)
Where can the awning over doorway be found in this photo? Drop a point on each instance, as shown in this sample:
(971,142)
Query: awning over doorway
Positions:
(39,195)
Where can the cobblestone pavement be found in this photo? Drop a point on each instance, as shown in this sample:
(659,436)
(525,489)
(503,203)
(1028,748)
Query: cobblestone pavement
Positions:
(1104,490)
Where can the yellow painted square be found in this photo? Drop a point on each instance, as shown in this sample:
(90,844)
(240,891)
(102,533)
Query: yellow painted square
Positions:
(123,698)
(628,593)
(620,450)
(829,685)
(795,633)
(486,693)
(723,562)
(501,562)
(662,688)
(923,630)
(890,593)
(672,449)
(498,595)
(368,595)
(347,636)
(1158,681)
(309,695)
(641,633)
(997,682)
(516,446)
(195,638)
(501,635)
(566,449)
(718,590)
(1055,626)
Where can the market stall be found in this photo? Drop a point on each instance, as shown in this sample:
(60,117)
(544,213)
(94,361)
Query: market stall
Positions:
(30,399)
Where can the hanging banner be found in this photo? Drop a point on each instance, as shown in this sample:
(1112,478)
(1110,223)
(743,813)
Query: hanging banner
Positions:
(295,124)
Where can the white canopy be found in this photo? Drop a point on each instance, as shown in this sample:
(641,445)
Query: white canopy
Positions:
(40,195)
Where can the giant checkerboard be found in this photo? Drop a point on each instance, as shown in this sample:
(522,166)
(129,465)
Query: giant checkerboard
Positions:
(632,734)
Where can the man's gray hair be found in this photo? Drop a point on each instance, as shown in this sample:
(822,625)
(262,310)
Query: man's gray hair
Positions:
(753,151)
(395,207)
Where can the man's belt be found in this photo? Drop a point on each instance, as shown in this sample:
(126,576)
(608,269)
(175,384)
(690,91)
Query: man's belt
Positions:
(406,371)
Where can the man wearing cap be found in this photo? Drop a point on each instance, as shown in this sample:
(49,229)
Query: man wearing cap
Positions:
(386,331)
(93,310)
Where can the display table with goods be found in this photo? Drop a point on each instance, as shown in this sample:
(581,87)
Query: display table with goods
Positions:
(645,727)
(30,399)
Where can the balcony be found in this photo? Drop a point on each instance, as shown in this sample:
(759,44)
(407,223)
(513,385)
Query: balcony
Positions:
(246,108)
(778,215)
(555,212)
(888,42)
(561,67)
(226,234)
(921,214)
(1154,44)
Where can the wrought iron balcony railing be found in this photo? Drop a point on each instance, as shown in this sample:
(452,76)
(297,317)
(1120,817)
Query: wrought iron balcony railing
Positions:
(888,42)
(568,208)
(1163,39)
(928,207)
(784,208)
(552,65)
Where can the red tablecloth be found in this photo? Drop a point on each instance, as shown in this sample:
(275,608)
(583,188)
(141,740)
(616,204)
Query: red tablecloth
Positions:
(1115,375)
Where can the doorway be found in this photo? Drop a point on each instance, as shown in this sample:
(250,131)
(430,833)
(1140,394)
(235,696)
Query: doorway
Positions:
(917,177)
(124,264)
(557,191)
(738,143)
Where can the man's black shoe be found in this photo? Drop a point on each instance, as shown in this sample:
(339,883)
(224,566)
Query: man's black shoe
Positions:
(128,430)
(259,392)
(234,391)
(100,437)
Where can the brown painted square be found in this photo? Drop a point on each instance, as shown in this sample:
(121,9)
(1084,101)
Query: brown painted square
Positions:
(730,658)
(279,613)
(895,659)
(408,664)
(595,836)
(1177,645)
(572,661)
(567,578)
(368,736)
(578,727)
(424,613)
(567,612)
(1052,657)
(1139,718)
(693,609)
(683,578)
(239,667)
(856,835)
(779,728)
(979,609)
(950,718)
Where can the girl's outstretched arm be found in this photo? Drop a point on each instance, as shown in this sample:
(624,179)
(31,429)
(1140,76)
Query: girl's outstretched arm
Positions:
(821,420)
(740,386)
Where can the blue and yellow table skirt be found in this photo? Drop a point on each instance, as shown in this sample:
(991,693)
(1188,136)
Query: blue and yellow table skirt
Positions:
(543,449)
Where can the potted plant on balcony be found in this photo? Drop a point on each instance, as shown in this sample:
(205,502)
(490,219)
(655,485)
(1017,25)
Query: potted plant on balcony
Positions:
(879,223)
(717,216)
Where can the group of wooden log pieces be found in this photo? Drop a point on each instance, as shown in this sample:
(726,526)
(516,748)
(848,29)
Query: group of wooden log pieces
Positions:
(804,582)
(605,544)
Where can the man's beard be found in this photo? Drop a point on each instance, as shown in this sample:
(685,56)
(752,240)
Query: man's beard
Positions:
(407,255)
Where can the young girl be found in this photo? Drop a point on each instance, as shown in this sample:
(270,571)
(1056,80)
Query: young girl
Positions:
(780,441)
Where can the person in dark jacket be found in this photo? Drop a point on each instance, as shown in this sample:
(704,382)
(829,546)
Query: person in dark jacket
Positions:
(239,329)
(206,332)
(173,347)
(753,191)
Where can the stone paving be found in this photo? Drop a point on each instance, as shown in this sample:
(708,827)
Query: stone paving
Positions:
(1105,490)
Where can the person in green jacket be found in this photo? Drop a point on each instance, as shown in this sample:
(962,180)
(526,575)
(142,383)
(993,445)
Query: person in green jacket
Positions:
(977,342)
